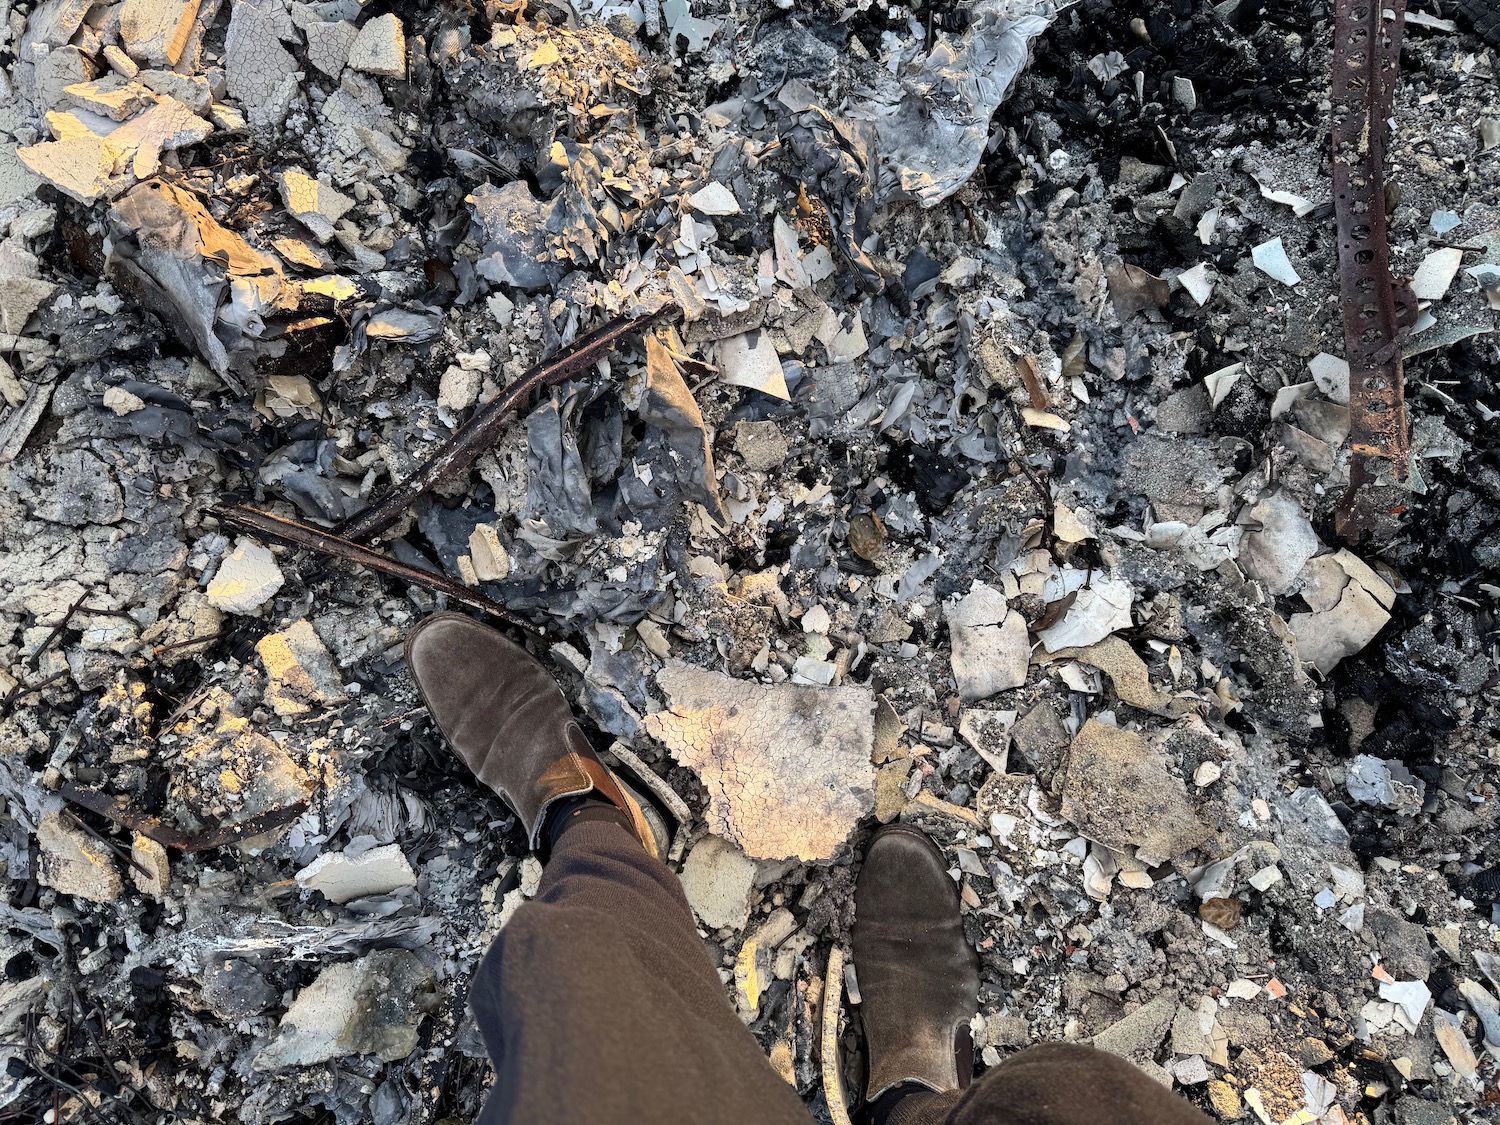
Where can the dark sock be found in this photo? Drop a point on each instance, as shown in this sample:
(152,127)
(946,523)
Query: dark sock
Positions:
(577,810)
(882,1108)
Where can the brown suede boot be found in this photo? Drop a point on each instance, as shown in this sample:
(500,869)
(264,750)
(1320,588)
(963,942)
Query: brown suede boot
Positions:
(504,715)
(918,976)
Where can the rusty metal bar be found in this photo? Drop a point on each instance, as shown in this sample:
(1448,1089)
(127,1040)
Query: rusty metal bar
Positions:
(1366,53)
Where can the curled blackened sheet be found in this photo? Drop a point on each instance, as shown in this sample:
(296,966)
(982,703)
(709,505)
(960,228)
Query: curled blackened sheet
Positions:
(303,472)
(669,406)
(514,225)
(838,157)
(557,487)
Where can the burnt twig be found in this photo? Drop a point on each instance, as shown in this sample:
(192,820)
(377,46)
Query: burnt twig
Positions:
(480,432)
(297,534)
(118,810)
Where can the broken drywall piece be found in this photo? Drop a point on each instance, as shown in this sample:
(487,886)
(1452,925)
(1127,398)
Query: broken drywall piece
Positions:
(1350,604)
(371,1006)
(1376,781)
(991,648)
(750,360)
(316,205)
(300,672)
(787,767)
(1126,671)
(261,74)
(714,199)
(73,862)
(681,21)
(1100,608)
(1270,258)
(380,48)
(83,167)
(246,580)
(342,877)
(328,44)
(1276,550)
(1197,282)
(1331,374)
(1436,273)
(155,32)
(1117,792)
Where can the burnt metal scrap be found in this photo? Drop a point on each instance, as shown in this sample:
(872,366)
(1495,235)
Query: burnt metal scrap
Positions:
(1366,53)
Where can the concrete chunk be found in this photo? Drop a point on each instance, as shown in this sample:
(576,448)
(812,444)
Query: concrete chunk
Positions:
(317,206)
(73,863)
(247,579)
(380,48)
(341,877)
(156,32)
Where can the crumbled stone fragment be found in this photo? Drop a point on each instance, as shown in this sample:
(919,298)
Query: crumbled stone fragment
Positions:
(156,31)
(714,198)
(157,874)
(717,879)
(380,48)
(458,389)
(370,1006)
(1140,1033)
(73,863)
(1117,791)
(787,767)
(247,579)
(300,670)
(261,74)
(761,445)
(375,872)
(316,205)
(991,648)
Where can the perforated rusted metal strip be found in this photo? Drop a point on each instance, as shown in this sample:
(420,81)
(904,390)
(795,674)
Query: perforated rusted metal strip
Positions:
(1366,52)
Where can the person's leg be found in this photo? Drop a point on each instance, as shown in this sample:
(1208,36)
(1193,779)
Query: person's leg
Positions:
(598,1002)
(1051,1084)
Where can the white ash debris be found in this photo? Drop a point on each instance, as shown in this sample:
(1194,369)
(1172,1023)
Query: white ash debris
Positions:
(1015,348)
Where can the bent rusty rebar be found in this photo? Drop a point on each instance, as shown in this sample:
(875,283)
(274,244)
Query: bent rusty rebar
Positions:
(1366,52)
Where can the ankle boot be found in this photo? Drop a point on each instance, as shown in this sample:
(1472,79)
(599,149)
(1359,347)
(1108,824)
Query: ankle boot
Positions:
(918,977)
(506,718)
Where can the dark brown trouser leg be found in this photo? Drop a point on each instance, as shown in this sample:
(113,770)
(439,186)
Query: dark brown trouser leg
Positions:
(1054,1084)
(599,1004)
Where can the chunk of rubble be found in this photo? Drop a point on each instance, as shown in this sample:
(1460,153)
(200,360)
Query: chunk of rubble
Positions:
(1331,374)
(1140,1033)
(156,32)
(1375,781)
(714,199)
(991,648)
(380,48)
(372,1006)
(1101,606)
(1117,792)
(192,90)
(717,879)
(111,96)
(152,870)
(300,670)
(1436,273)
(787,767)
(328,44)
(1270,258)
(1127,673)
(73,862)
(488,556)
(343,876)
(82,168)
(235,989)
(316,205)
(1350,604)
(246,580)
(750,360)
(261,74)
(1278,543)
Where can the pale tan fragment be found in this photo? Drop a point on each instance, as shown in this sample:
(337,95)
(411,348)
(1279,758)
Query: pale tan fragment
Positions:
(787,767)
